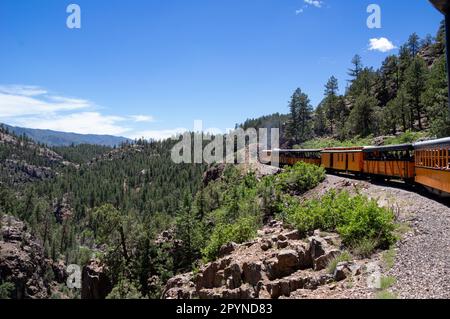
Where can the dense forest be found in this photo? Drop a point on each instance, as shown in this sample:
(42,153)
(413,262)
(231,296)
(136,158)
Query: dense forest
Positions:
(94,196)
(407,94)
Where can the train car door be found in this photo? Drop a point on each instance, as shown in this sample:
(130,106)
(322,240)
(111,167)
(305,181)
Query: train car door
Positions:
(346,162)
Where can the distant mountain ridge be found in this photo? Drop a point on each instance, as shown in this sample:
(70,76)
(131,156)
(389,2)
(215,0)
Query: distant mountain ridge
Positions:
(55,138)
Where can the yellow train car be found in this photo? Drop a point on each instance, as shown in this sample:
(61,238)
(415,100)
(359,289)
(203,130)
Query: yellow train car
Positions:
(345,159)
(291,157)
(432,164)
(393,161)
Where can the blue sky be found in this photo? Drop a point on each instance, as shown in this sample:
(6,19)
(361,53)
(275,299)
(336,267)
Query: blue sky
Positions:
(151,67)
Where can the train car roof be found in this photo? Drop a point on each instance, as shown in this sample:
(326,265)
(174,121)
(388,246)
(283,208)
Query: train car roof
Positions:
(300,151)
(343,150)
(439,142)
(388,148)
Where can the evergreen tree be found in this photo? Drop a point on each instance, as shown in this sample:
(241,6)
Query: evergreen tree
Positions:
(435,98)
(189,232)
(331,102)
(300,124)
(413,44)
(362,115)
(320,121)
(415,78)
(357,67)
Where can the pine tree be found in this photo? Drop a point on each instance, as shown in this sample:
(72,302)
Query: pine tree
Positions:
(320,121)
(413,44)
(300,123)
(362,115)
(357,67)
(435,98)
(304,118)
(415,77)
(189,232)
(331,102)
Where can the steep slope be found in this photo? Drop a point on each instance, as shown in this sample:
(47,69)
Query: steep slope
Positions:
(24,161)
(23,264)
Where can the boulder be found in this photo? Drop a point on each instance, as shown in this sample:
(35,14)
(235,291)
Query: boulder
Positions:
(266,245)
(321,252)
(252,272)
(233,276)
(342,271)
(180,287)
(317,246)
(284,264)
(227,249)
(293,235)
(282,244)
(207,276)
(323,261)
(95,283)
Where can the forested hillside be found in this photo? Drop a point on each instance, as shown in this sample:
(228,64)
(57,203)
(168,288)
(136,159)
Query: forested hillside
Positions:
(82,208)
(408,93)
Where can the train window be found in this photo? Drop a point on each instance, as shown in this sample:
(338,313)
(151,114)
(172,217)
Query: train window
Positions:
(447,159)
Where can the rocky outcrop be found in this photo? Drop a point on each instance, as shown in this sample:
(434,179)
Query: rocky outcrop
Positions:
(95,283)
(62,209)
(22,172)
(261,269)
(213,173)
(22,262)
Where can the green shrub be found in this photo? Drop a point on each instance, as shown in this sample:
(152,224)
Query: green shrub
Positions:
(364,247)
(301,177)
(345,256)
(387,282)
(125,289)
(365,219)
(406,137)
(6,290)
(389,258)
(357,219)
(324,142)
(242,230)
(84,256)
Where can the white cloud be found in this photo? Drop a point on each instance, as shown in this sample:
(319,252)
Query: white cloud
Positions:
(35,107)
(82,123)
(381,44)
(142,118)
(315,3)
(308,3)
(22,100)
(25,90)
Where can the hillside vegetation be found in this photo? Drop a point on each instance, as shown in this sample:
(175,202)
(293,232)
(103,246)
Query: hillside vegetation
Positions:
(406,97)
